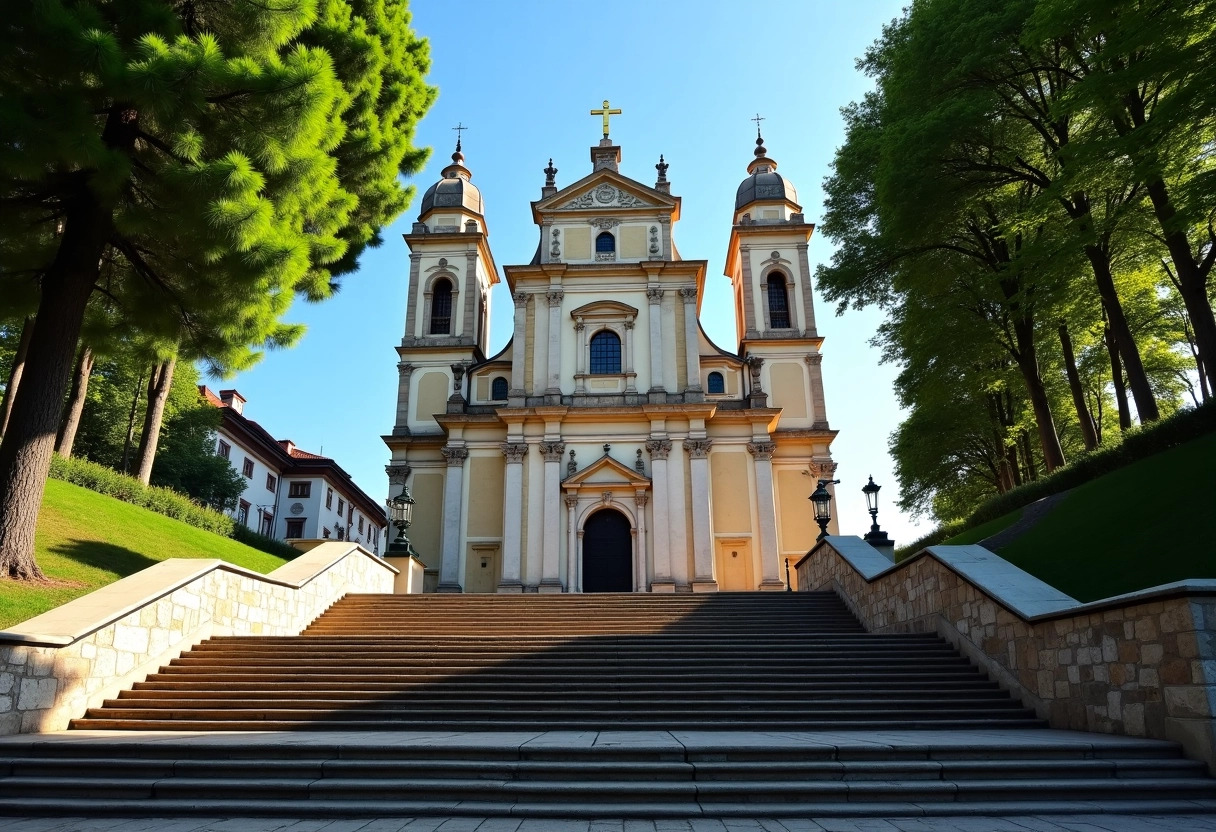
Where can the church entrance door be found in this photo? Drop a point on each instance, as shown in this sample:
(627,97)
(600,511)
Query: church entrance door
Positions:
(607,553)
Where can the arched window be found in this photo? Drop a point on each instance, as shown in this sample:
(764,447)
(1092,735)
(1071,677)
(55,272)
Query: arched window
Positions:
(605,352)
(441,308)
(605,243)
(498,389)
(778,303)
(717,384)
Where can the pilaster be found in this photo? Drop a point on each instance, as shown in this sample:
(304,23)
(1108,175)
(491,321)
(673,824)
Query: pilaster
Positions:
(515,398)
(453,518)
(692,392)
(659,449)
(512,516)
(551,543)
(402,424)
(702,521)
(657,394)
(553,383)
(762,453)
(819,410)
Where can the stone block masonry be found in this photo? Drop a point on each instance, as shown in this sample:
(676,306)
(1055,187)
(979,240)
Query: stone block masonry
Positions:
(1141,664)
(56,665)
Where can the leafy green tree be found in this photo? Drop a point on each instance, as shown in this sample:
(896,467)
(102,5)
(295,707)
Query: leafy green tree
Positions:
(212,160)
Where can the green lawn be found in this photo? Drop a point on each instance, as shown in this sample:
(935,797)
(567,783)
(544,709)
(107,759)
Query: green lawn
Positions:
(88,540)
(985,530)
(1149,523)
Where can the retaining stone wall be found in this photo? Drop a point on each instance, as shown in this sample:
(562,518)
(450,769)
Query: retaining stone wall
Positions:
(1142,664)
(55,666)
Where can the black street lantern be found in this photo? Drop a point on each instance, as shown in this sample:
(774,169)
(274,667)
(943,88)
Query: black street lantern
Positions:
(822,500)
(875,536)
(400,514)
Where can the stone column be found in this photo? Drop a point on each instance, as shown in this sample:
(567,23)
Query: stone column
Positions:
(657,392)
(512,517)
(631,375)
(749,301)
(702,522)
(453,516)
(411,305)
(550,577)
(819,408)
(553,384)
(468,326)
(659,449)
(804,280)
(677,515)
(766,508)
(691,351)
(580,366)
(518,356)
(640,499)
(574,578)
(402,426)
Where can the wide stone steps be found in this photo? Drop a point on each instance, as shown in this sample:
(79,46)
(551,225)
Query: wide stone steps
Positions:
(687,779)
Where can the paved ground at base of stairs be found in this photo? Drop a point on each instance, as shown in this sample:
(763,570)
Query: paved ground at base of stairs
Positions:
(1025,823)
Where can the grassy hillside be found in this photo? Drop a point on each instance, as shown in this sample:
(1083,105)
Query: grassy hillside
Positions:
(86,540)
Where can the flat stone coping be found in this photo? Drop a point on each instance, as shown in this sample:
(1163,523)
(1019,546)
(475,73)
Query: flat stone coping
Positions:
(523,741)
(1012,587)
(78,618)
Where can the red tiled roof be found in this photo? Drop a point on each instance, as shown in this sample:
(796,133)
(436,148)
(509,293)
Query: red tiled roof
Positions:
(296,453)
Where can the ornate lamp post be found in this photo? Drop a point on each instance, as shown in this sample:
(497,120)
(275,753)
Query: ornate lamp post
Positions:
(400,514)
(822,501)
(875,536)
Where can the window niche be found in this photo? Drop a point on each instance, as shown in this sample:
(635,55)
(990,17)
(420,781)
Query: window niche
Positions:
(605,246)
(441,295)
(777,301)
(604,334)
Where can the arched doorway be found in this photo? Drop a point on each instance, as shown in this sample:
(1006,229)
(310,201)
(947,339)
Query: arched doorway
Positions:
(607,553)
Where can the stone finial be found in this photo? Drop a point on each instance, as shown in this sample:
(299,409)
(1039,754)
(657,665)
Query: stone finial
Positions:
(661,184)
(550,187)
(571,466)
(638,464)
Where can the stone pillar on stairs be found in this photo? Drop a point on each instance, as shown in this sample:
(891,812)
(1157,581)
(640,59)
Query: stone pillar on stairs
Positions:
(550,577)
(762,452)
(703,555)
(453,517)
(659,449)
(574,578)
(512,516)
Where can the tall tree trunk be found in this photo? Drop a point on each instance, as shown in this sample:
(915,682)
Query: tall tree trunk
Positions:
(125,464)
(1129,351)
(1004,472)
(25,453)
(1032,472)
(1028,363)
(14,377)
(80,391)
(158,392)
(1011,449)
(1088,433)
(1116,380)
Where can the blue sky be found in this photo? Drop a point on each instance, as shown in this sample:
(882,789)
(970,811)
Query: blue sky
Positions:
(523,75)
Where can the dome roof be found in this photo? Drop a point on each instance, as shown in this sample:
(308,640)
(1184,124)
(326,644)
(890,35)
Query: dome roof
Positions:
(453,190)
(764,184)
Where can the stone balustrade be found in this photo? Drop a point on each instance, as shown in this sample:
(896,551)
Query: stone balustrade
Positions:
(54,666)
(1141,664)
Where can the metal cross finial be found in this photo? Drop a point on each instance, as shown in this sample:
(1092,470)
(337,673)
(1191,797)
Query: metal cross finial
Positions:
(459,128)
(605,112)
(759,118)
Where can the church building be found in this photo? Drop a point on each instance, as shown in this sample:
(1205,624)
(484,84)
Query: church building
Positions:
(610,446)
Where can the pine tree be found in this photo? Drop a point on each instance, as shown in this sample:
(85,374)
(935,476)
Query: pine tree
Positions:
(213,161)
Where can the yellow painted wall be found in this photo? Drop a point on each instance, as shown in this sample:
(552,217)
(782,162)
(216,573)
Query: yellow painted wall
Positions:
(633,241)
(576,243)
(798,530)
(485,495)
(731,495)
(432,396)
(427,531)
(789,390)
(483,388)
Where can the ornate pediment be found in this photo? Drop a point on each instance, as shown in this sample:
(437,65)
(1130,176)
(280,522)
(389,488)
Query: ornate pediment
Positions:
(606,471)
(605,195)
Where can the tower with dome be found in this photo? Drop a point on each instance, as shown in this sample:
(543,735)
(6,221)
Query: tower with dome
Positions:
(610,446)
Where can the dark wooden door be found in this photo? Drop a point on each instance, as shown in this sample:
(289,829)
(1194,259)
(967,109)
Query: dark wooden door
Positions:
(607,553)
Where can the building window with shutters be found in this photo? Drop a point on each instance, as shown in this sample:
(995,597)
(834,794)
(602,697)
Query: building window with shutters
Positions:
(223,449)
(299,489)
(247,468)
(242,513)
(605,353)
(272,482)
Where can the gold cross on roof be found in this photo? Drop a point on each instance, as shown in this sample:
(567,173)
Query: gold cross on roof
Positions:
(605,112)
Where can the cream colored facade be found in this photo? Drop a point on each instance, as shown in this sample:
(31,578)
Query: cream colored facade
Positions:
(609,398)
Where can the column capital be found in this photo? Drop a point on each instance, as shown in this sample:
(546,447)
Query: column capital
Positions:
(761,450)
(555,297)
(654,294)
(814,358)
(571,499)
(454,456)
(823,470)
(659,448)
(398,472)
(579,324)
(553,451)
(641,498)
(697,448)
(404,369)
(520,298)
(514,452)
(689,294)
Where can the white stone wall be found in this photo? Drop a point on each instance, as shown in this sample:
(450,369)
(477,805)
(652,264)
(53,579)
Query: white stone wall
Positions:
(56,665)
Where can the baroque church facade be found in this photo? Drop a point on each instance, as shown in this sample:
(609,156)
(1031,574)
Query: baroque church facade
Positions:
(610,446)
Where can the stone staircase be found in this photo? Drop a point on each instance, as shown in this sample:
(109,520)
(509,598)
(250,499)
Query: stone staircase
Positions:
(771,705)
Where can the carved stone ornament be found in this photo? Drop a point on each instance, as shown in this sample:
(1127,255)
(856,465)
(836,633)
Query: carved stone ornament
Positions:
(553,451)
(697,448)
(404,369)
(579,324)
(629,323)
(659,448)
(584,201)
(398,472)
(638,464)
(603,196)
(823,470)
(641,498)
(571,466)
(654,295)
(514,451)
(555,298)
(571,500)
(761,450)
(689,293)
(555,250)
(458,376)
(814,358)
(604,222)
(754,363)
(454,456)
(606,497)
(654,239)
(520,298)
